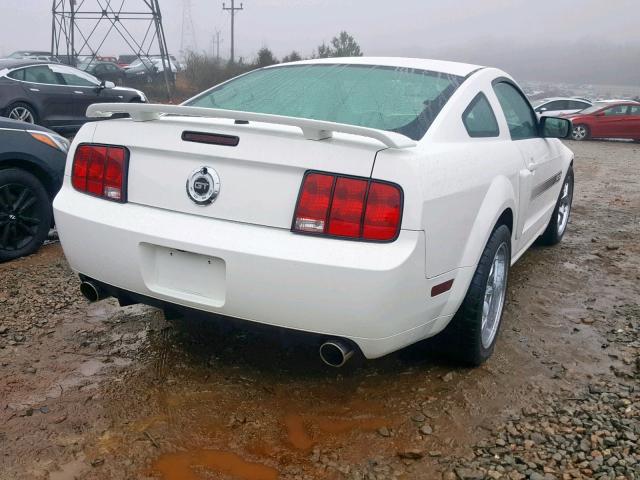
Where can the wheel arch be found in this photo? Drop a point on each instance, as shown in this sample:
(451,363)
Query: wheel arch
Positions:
(498,208)
(29,165)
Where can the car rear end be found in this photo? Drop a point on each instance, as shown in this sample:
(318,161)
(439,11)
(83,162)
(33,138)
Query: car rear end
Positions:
(297,235)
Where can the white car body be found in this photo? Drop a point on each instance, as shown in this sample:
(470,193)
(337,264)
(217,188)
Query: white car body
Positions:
(559,106)
(238,256)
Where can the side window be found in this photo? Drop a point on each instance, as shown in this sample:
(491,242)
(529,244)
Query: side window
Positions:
(634,110)
(73,77)
(616,111)
(41,74)
(521,120)
(576,105)
(17,74)
(479,119)
(555,105)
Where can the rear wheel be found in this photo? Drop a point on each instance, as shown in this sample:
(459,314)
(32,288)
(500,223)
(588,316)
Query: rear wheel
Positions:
(560,216)
(471,335)
(25,214)
(23,112)
(580,132)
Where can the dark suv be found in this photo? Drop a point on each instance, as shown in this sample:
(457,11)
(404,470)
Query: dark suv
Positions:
(32,161)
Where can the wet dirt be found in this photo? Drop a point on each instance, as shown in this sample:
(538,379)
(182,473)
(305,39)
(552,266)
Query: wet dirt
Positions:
(95,391)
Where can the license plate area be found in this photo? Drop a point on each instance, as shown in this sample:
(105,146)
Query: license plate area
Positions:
(189,276)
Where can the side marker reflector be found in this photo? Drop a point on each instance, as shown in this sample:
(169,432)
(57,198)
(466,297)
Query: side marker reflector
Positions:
(441,288)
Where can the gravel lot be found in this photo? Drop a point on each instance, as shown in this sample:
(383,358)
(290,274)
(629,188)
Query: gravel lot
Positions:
(100,392)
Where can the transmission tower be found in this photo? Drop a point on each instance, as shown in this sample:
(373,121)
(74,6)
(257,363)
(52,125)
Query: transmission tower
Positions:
(233,10)
(188,39)
(80,28)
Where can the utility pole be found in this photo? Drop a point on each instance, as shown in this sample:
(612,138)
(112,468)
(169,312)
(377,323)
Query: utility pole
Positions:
(233,10)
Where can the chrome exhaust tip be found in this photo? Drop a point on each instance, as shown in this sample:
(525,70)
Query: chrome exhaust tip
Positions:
(335,353)
(92,292)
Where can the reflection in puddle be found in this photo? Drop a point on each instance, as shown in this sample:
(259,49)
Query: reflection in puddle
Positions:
(184,466)
(301,439)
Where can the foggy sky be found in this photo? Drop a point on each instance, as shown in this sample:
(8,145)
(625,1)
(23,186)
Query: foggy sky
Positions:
(513,34)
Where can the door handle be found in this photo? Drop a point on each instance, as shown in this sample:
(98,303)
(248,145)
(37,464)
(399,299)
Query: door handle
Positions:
(532,166)
(34,89)
(78,92)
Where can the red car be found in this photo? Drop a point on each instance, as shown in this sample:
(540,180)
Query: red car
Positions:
(607,120)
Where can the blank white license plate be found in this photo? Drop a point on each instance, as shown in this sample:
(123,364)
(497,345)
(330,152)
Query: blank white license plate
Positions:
(191,276)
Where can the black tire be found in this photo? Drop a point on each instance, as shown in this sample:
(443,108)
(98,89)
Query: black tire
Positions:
(14,112)
(554,233)
(25,214)
(463,335)
(580,132)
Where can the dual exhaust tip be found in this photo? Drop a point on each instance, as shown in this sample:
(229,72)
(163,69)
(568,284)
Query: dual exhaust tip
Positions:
(335,353)
(92,291)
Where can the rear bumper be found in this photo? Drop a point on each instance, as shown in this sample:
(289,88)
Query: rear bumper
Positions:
(373,294)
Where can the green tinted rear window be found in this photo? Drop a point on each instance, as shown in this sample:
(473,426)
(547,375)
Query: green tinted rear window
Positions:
(400,100)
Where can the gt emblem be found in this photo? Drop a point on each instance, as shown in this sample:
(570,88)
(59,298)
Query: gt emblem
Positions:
(203,186)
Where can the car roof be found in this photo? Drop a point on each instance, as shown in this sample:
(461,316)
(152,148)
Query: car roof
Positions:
(22,62)
(553,99)
(442,66)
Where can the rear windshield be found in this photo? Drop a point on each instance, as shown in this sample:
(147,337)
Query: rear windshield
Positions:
(402,100)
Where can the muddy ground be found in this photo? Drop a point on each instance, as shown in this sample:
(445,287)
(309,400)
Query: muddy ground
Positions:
(102,392)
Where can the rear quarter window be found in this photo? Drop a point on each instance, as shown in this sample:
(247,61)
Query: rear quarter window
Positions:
(479,119)
(17,74)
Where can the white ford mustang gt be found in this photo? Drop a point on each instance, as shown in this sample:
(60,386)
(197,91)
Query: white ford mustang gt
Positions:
(372,201)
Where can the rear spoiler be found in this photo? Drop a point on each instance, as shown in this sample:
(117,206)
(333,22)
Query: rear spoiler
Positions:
(311,129)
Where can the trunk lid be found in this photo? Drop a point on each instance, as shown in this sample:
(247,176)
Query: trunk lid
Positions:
(259,178)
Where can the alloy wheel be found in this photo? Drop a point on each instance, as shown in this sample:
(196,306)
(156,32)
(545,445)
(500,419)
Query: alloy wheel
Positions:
(23,114)
(579,132)
(19,216)
(564,206)
(494,296)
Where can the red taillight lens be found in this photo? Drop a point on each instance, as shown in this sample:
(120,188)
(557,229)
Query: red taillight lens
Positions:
(348,207)
(313,205)
(100,170)
(382,216)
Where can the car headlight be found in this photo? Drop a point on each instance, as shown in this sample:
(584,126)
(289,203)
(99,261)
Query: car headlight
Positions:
(52,139)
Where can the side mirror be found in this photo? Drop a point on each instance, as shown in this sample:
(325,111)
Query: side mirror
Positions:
(554,127)
(109,84)
(543,109)
(599,114)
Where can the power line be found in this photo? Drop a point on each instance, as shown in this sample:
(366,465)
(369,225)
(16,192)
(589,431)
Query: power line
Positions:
(233,10)
(80,28)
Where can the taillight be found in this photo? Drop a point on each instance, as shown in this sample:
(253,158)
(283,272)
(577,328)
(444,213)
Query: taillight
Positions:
(348,207)
(101,170)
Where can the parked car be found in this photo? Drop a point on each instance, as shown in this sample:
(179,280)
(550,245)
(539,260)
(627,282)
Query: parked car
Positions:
(147,69)
(126,60)
(54,95)
(377,207)
(105,71)
(553,107)
(20,54)
(607,120)
(32,161)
